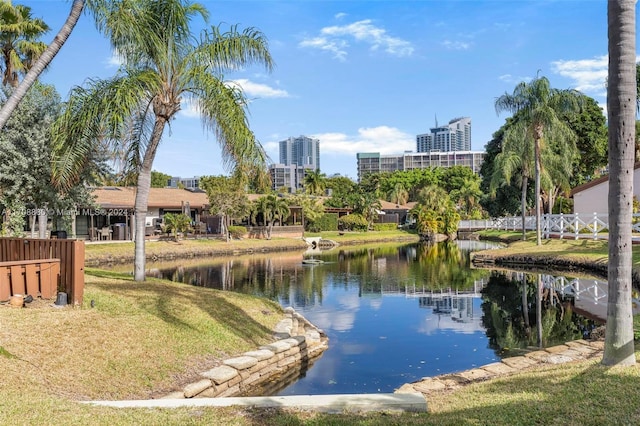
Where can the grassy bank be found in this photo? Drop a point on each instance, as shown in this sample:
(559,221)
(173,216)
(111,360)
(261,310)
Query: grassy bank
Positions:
(135,339)
(139,340)
(110,252)
(144,339)
(590,255)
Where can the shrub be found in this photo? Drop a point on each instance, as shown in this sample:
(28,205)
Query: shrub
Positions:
(326,222)
(237,232)
(385,226)
(353,222)
(175,223)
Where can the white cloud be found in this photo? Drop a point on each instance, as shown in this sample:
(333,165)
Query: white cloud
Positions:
(588,75)
(508,78)
(382,139)
(334,39)
(337,47)
(252,89)
(456,45)
(114,61)
(189,109)
(340,15)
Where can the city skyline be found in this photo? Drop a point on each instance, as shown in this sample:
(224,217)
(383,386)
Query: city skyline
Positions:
(366,76)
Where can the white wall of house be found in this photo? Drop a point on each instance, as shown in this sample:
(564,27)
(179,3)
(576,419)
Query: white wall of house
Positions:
(595,199)
(152,213)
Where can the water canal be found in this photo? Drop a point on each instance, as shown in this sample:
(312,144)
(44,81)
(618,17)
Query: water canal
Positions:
(397,313)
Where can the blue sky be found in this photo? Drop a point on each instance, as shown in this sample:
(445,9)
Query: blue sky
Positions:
(368,76)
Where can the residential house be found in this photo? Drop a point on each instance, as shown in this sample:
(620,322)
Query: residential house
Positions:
(113,216)
(592,197)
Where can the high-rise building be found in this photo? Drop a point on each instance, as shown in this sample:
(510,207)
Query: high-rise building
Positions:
(297,156)
(301,151)
(456,136)
(373,162)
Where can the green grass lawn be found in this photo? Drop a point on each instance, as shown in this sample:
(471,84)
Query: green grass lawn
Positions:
(145,339)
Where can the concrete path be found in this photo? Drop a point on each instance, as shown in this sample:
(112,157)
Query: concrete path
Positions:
(397,402)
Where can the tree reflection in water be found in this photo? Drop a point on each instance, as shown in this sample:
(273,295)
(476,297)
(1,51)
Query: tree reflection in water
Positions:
(513,302)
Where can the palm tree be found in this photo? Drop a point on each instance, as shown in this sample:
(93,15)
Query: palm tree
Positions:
(314,182)
(433,197)
(175,223)
(468,195)
(19,45)
(164,65)
(516,157)
(399,194)
(539,107)
(273,208)
(559,162)
(618,345)
(43,60)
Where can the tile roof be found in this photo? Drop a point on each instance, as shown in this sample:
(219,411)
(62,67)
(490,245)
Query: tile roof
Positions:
(386,205)
(168,198)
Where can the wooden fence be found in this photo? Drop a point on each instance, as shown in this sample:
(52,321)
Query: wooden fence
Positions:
(71,262)
(34,277)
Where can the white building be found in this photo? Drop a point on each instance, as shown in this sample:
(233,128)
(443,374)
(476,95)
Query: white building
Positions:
(456,136)
(593,197)
(301,151)
(373,162)
(297,156)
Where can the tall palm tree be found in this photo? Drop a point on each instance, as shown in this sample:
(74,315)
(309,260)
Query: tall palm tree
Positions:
(315,182)
(618,345)
(516,157)
(164,65)
(19,41)
(539,107)
(43,60)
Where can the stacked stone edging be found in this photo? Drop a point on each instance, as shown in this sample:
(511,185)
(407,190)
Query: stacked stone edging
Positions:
(297,341)
(569,352)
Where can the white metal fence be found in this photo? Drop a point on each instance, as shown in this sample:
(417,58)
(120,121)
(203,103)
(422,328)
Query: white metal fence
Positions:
(594,226)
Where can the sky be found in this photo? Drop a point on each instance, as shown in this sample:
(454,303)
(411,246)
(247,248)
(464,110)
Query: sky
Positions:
(366,76)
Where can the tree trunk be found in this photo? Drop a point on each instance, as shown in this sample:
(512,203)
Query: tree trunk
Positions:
(42,222)
(539,308)
(43,61)
(621,96)
(537,201)
(523,206)
(32,225)
(525,306)
(225,227)
(142,197)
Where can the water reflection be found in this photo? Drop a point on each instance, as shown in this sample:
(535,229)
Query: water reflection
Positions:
(396,313)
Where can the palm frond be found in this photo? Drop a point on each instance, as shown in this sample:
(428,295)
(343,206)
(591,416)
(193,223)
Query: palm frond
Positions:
(98,113)
(225,51)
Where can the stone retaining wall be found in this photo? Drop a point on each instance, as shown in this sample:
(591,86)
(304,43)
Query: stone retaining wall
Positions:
(297,342)
(576,350)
